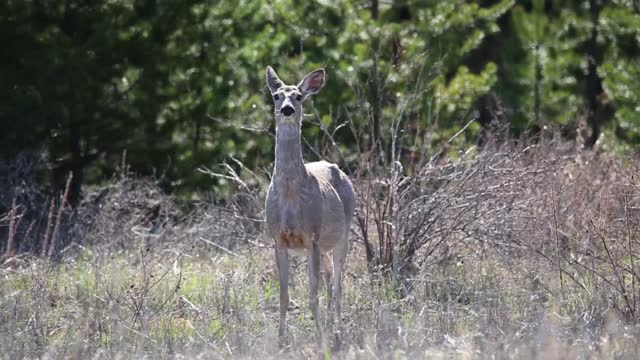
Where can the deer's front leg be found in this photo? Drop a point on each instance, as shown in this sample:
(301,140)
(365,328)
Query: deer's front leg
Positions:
(314,281)
(282,263)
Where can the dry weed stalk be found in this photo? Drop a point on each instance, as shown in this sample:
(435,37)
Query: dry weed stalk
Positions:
(61,207)
(45,239)
(13,214)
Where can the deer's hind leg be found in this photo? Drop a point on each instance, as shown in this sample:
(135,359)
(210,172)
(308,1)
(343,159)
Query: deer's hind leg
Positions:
(327,268)
(339,257)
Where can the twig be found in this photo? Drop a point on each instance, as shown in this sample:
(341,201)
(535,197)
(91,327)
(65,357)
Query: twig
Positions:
(623,288)
(444,147)
(219,246)
(137,332)
(557,237)
(238,126)
(631,255)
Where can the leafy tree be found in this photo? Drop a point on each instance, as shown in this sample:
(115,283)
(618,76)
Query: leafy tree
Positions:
(180,84)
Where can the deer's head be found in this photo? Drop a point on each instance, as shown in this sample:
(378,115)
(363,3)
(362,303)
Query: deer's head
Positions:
(288,99)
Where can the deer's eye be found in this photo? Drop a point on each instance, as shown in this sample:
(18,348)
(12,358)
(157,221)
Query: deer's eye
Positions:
(299,97)
(276,97)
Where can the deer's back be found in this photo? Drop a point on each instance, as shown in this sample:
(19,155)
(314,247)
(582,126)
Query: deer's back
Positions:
(329,174)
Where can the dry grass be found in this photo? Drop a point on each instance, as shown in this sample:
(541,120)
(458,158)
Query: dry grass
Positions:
(514,252)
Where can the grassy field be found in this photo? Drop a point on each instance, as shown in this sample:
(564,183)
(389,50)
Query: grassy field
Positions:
(547,271)
(156,304)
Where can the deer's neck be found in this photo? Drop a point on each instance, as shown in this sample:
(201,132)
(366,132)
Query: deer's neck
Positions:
(289,167)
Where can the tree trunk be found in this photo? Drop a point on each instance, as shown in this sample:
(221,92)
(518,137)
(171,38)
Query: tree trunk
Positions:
(594,82)
(374,9)
(538,82)
(374,88)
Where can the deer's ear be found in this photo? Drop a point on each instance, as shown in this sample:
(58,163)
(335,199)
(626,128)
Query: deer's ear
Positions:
(273,81)
(312,83)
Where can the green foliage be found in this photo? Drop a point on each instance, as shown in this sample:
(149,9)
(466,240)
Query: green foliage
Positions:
(178,83)
(463,90)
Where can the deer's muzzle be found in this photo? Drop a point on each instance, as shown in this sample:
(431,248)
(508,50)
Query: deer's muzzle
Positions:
(287,110)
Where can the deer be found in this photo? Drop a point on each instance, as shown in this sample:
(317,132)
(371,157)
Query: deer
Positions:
(308,206)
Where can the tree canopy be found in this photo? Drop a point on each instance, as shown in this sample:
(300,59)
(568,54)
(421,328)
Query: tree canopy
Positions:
(179,84)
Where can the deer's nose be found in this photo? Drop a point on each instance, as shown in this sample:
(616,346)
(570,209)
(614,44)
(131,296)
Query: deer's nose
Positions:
(287,110)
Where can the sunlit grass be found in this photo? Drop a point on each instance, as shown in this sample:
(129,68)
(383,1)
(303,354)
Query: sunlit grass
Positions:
(205,304)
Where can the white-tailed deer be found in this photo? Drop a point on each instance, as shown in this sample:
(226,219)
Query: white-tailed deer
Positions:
(309,206)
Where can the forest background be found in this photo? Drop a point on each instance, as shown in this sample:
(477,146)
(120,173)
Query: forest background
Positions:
(180,85)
